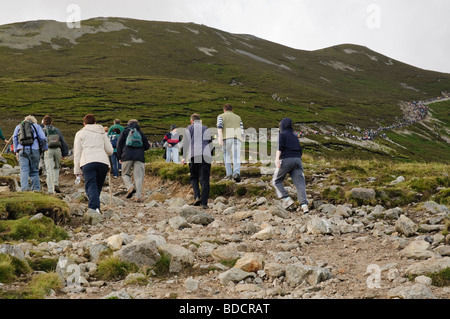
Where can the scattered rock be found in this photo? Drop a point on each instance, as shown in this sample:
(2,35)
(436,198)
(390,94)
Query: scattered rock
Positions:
(250,262)
(430,266)
(195,216)
(406,226)
(142,253)
(418,249)
(319,226)
(363,194)
(180,257)
(417,291)
(234,275)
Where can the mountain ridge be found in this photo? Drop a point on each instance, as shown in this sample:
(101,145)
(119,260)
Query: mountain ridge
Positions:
(166,71)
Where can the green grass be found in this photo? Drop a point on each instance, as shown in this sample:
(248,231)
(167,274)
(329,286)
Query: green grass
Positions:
(441,279)
(41,285)
(21,204)
(164,84)
(11,268)
(112,268)
(41,230)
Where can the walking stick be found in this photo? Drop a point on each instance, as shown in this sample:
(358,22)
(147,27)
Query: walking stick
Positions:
(110,188)
(7,144)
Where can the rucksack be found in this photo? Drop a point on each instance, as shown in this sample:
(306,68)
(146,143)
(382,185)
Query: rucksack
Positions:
(113,139)
(134,138)
(26,135)
(53,139)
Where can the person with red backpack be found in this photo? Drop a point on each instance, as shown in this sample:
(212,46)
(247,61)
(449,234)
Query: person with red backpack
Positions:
(171,143)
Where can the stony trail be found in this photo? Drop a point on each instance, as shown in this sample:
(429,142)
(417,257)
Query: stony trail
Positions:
(329,253)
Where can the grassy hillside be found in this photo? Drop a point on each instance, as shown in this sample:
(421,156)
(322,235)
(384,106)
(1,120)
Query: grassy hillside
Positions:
(161,73)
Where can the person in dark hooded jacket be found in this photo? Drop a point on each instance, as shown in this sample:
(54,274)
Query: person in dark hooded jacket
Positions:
(132,158)
(289,161)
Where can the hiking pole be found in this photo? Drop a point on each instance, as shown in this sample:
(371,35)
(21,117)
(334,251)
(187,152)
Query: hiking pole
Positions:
(110,189)
(7,144)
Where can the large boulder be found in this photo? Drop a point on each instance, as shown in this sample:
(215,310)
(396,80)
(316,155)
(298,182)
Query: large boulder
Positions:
(406,226)
(142,253)
(417,291)
(180,257)
(364,195)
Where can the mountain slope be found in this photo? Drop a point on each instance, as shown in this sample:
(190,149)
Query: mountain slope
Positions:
(164,72)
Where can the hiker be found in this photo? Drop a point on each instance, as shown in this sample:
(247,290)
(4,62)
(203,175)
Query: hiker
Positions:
(2,137)
(57,149)
(91,159)
(231,135)
(197,151)
(114,138)
(29,141)
(131,149)
(289,161)
(110,130)
(171,141)
(116,125)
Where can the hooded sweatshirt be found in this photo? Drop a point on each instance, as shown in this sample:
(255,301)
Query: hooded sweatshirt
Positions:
(91,145)
(288,142)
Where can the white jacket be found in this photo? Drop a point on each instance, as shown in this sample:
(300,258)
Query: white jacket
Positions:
(91,145)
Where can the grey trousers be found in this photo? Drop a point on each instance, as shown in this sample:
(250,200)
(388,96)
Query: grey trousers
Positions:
(293,167)
(52,159)
(138,169)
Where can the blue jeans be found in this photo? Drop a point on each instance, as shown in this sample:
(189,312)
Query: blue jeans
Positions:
(29,169)
(115,164)
(232,148)
(94,178)
(172,155)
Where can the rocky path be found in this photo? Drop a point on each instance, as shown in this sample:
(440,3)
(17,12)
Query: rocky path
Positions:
(333,252)
(249,248)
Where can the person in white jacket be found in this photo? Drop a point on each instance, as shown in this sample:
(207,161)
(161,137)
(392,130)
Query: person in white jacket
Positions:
(92,149)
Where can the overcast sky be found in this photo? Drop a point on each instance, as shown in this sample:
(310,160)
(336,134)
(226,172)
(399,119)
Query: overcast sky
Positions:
(416,32)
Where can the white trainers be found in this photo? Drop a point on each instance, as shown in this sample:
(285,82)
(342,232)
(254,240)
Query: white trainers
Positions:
(287,202)
(305,209)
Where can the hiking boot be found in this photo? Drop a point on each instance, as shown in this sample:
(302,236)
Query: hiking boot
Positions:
(57,190)
(237,177)
(131,192)
(138,200)
(287,202)
(205,207)
(305,209)
(197,202)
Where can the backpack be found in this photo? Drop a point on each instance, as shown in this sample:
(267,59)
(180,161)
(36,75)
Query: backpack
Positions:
(53,139)
(134,138)
(26,136)
(113,139)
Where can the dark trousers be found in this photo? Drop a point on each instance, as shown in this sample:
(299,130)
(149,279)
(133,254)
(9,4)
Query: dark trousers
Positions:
(94,178)
(200,173)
